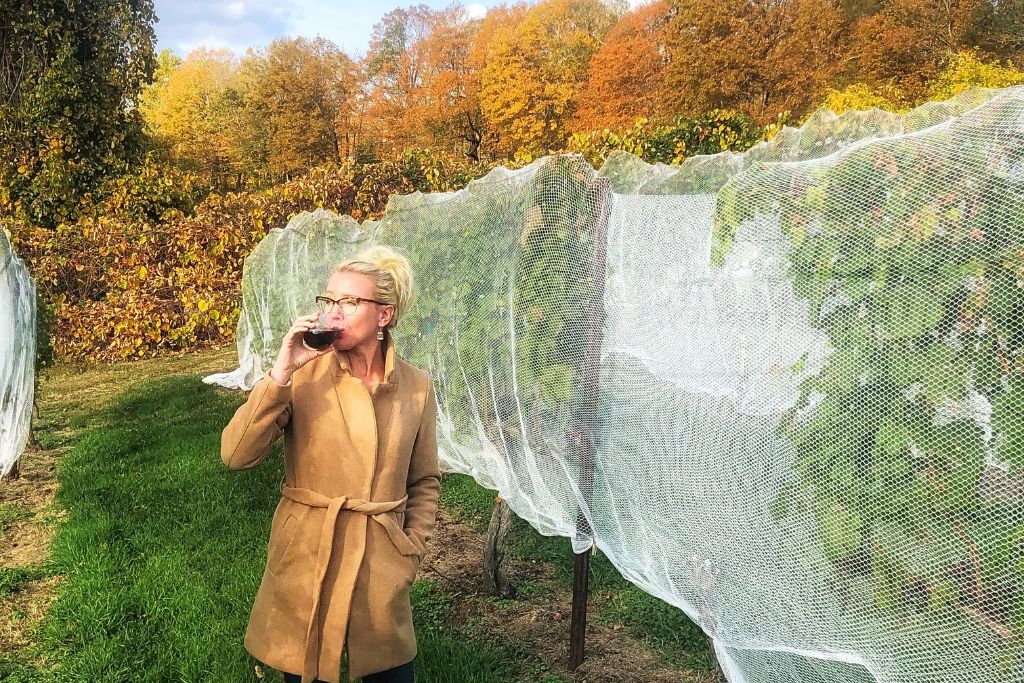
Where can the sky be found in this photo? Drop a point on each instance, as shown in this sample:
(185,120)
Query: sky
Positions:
(238,24)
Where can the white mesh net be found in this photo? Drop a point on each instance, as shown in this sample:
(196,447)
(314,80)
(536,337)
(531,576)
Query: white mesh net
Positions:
(17,354)
(781,390)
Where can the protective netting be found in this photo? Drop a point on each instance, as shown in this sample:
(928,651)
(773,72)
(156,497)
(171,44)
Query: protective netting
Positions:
(781,390)
(17,354)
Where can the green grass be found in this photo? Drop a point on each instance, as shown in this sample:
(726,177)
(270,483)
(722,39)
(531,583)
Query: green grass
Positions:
(467,500)
(162,547)
(162,551)
(11,513)
(13,579)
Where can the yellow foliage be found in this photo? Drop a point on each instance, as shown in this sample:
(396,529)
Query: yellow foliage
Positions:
(964,69)
(535,69)
(859,96)
(961,70)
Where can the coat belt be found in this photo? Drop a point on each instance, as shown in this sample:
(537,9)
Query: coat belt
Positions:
(378,512)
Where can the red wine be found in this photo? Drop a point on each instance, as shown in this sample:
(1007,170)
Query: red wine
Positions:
(314,340)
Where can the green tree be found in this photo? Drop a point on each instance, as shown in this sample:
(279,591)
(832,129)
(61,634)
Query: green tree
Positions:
(70,82)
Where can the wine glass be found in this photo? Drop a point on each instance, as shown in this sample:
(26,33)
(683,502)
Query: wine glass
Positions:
(321,335)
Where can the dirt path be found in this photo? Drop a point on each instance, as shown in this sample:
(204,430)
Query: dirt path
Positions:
(539,619)
(27,523)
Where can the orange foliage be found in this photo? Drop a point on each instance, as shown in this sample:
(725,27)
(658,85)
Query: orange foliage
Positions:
(306,89)
(624,77)
(905,43)
(762,58)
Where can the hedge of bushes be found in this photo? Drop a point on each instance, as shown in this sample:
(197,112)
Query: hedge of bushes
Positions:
(155,267)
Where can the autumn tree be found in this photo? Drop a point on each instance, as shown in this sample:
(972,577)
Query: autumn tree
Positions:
(424,78)
(167,62)
(905,42)
(450,105)
(498,22)
(855,10)
(1005,30)
(535,69)
(395,67)
(70,77)
(417,76)
(304,91)
(764,58)
(190,110)
(624,76)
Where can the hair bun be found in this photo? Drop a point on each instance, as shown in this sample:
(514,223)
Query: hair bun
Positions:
(392,272)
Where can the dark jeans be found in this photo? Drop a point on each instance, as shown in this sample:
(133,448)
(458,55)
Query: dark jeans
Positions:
(400,674)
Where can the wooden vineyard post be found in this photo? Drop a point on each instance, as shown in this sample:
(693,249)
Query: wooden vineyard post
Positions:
(581,435)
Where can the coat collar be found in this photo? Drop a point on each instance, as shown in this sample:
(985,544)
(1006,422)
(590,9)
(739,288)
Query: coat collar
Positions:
(340,365)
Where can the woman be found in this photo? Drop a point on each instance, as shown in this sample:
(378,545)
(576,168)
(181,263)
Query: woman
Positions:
(359,497)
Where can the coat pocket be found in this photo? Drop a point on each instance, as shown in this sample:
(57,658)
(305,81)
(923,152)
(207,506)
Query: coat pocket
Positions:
(400,538)
(281,541)
(407,551)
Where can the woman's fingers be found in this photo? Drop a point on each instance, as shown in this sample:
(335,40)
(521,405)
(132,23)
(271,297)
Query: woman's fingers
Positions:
(305,322)
(301,327)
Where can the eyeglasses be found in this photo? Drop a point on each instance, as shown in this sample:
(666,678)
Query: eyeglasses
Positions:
(349,304)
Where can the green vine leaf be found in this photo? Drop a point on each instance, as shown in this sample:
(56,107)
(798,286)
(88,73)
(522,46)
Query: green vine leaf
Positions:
(840,532)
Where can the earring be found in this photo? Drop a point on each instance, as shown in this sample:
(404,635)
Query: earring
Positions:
(380,333)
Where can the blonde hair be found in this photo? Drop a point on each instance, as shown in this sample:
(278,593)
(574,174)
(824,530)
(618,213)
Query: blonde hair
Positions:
(391,274)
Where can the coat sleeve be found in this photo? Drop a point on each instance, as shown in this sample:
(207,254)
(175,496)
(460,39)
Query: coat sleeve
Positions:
(257,424)
(424,483)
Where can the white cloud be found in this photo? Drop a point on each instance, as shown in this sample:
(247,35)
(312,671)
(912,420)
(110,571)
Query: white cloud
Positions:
(238,24)
(211,41)
(234,10)
(233,24)
(349,27)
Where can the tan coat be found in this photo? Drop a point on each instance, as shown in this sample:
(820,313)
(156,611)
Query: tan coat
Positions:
(345,541)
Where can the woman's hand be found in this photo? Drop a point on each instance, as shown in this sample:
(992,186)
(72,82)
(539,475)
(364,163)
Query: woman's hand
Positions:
(293,355)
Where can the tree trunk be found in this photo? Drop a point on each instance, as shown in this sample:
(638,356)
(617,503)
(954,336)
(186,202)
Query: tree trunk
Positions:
(496,581)
(473,136)
(15,471)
